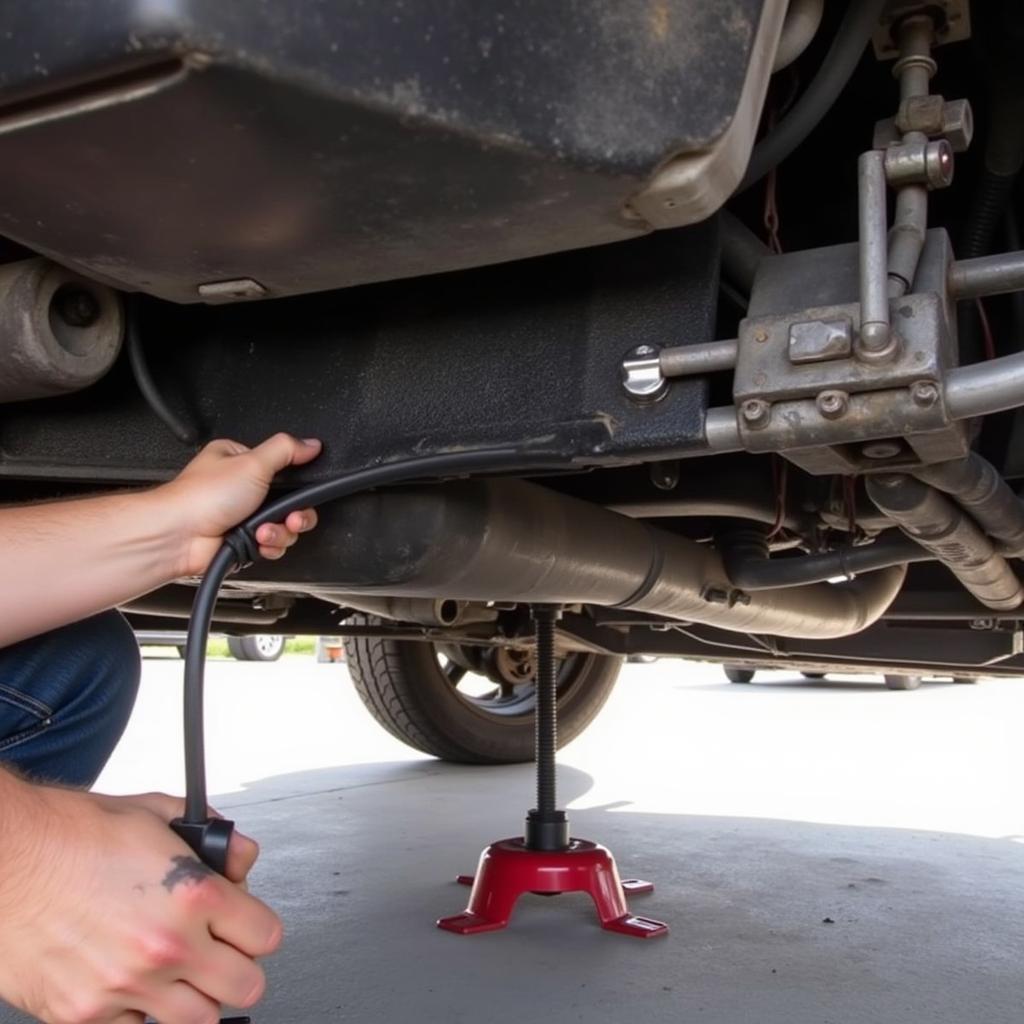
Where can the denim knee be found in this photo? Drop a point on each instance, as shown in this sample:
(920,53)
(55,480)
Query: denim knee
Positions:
(66,696)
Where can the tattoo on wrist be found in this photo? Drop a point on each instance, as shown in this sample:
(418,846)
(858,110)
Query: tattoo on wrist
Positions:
(185,871)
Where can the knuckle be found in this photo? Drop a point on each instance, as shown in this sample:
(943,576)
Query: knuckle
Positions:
(203,894)
(119,979)
(162,948)
(79,1008)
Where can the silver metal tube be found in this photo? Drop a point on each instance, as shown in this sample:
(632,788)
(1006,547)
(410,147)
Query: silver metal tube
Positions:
(906,239)
(721,431)
(874,300)
(987,275)
(983,388)
(916,65)
(707,357)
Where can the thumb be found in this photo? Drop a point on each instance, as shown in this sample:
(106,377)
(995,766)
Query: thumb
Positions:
(242,854)
(284,450)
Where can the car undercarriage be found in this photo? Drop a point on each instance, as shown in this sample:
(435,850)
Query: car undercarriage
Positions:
(746,350)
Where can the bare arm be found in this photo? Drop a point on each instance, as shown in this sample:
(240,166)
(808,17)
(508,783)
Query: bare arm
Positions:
(107,915)
(66,560)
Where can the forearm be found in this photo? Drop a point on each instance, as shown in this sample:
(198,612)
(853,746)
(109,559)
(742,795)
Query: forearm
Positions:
(68,560)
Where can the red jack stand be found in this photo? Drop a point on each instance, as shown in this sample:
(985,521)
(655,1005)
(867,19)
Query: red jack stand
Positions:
(509,868)
(547,861)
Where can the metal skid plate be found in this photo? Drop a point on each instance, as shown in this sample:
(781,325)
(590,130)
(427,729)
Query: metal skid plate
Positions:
(820,406)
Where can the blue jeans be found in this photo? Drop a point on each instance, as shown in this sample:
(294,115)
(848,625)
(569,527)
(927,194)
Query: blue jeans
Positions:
(65,698)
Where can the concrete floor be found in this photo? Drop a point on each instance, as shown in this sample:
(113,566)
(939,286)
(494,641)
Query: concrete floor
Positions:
(759,811)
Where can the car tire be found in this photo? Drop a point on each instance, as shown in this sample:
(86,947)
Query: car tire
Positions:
(902,682)
(738,675)
(261,647)
(410,687)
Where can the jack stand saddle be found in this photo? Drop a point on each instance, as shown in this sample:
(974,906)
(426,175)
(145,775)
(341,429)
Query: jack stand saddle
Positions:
(546,860)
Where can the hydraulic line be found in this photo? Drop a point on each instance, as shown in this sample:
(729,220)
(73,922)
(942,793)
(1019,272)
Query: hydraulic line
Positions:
(748,565)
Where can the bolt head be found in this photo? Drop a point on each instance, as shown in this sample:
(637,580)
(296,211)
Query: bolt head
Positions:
(833,403)
(642,378)
(924,393)
(755,412)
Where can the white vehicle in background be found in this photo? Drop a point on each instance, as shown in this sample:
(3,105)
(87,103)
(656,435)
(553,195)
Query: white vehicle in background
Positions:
(258,647)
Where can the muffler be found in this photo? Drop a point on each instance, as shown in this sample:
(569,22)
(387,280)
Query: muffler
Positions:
(511,541)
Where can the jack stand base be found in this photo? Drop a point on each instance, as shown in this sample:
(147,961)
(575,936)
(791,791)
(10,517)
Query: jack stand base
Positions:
(509,868)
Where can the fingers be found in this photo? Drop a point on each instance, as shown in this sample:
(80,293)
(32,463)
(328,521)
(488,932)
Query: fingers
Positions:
(180,1003)
(302,521)
(275,538)
(242,854)
(214,451)
(227,976)
(284,450)
(248,925)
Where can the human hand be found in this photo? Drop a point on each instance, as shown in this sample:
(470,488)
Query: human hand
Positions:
(108,916)
(223,485)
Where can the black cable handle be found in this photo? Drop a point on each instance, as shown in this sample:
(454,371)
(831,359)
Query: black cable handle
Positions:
(207,836)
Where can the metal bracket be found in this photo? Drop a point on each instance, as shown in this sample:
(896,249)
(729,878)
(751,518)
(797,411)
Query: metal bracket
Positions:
(800,391)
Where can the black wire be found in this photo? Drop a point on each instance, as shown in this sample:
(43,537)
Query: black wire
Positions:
(178,426)
(240,546)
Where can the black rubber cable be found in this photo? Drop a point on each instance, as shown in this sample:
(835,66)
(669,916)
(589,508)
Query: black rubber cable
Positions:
(208,837)
(851,38)
(177,425)
(749,567)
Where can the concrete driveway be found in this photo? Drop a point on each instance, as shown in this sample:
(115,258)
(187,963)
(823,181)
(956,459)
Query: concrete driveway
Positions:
(824,852)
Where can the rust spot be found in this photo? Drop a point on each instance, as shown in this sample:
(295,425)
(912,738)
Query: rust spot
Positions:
(659,19)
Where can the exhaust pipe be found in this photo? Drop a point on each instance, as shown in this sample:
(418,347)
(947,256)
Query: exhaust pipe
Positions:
(510,541)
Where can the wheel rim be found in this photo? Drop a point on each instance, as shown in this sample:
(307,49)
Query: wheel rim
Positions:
(267,644)
(511,697)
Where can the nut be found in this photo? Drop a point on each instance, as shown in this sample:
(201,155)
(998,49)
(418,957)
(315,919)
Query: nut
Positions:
(924,393)
(756,412)
(832,403)
(921,114)
(958,124)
